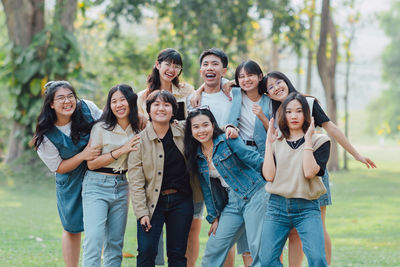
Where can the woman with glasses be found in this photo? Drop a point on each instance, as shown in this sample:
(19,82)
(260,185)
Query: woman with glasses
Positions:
(61,140)
(232,185)
(278,87)
(105,187)
(165,76)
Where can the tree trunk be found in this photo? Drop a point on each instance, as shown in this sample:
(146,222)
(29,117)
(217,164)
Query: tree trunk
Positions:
(275,56)
(298,73)
(66,13)
(310,52)
(24,19)
(327,70)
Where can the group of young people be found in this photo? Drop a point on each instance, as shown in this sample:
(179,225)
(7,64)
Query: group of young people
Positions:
(244,149)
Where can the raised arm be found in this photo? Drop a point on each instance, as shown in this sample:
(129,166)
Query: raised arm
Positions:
(310,165)
(269,168)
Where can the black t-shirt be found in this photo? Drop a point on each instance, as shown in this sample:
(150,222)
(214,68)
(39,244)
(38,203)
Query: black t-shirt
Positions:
(319,114)
(176,175)
(321,155)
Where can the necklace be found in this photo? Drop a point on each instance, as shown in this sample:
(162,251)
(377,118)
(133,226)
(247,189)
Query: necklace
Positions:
(208,153)
(295,144)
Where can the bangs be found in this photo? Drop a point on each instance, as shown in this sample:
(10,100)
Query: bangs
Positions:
(174,58)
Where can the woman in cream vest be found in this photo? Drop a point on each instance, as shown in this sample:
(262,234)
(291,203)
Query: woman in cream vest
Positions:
(292,166)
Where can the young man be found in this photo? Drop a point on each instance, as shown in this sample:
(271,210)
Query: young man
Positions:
(213,67)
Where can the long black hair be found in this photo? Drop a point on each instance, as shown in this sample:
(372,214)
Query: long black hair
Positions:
(47,116)
(191,144)
(169,55)
(282,121)
(280,76)
(108,116)
(251,67)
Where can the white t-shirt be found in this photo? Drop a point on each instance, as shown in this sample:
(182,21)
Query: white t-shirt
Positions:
(247,118)
(48,152)
(215,174)
(219,104)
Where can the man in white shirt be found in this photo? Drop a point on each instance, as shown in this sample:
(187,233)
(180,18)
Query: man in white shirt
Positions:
(213,66)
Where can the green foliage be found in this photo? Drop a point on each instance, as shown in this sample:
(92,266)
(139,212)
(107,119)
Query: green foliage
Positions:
(52,54)
(384,112)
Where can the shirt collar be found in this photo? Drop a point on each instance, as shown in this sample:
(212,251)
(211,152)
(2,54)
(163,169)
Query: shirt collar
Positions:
(153,135)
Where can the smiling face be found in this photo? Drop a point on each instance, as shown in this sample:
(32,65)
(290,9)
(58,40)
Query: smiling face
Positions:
(277,89)
(161,111)
(294,115)
(168,70)
(202,129)
(64,102)
(248,81)
(119,106)
(212,70)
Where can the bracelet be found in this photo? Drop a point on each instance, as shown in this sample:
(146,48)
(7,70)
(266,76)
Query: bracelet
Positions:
(112,155)
(307,148)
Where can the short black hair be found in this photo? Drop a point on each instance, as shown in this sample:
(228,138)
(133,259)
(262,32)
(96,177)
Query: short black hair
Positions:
(251,67)
(216,52)
(165,96)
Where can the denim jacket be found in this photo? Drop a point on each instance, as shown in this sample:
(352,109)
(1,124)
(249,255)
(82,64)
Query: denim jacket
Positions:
(259,134)
(237,164)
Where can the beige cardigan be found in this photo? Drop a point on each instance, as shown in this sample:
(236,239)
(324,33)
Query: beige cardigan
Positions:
(146,167)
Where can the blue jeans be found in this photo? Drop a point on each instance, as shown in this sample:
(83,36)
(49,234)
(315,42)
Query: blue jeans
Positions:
(105,209)
(283,214)
(239,216)
(176,211)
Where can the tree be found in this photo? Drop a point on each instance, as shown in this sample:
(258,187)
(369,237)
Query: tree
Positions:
(349,35)
(310,45)
(38,52)
(384,111)
(326,62)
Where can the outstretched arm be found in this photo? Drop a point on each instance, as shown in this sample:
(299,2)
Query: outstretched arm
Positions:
(339,136)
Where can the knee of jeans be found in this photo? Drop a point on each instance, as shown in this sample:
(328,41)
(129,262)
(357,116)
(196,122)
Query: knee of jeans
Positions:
(266,258)
(317,259)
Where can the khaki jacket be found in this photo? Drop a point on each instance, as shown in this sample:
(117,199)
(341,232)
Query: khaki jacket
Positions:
(145,170)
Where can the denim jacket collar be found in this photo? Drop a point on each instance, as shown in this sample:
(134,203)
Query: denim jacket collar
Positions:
(220,138)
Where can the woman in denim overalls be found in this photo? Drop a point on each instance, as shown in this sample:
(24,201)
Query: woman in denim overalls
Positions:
(61,139)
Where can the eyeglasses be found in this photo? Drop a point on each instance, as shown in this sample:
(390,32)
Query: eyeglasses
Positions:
(170,65)
(202,107)
(276,84)
(63,98)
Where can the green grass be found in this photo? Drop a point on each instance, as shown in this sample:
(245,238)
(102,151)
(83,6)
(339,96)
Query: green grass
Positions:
(363,221)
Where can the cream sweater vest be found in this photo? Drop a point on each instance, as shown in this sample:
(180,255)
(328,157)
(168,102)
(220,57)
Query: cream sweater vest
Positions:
(289,180)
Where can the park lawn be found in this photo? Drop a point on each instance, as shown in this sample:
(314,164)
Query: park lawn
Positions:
(363,221)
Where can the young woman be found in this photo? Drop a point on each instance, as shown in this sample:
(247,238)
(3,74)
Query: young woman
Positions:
(165,76)
(105,188)
(250,110)
(226,167)
(61,139)
(278,87)
(292,164)
(160,183)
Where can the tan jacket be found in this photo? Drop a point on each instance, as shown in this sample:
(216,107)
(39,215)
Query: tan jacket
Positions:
(145,170)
